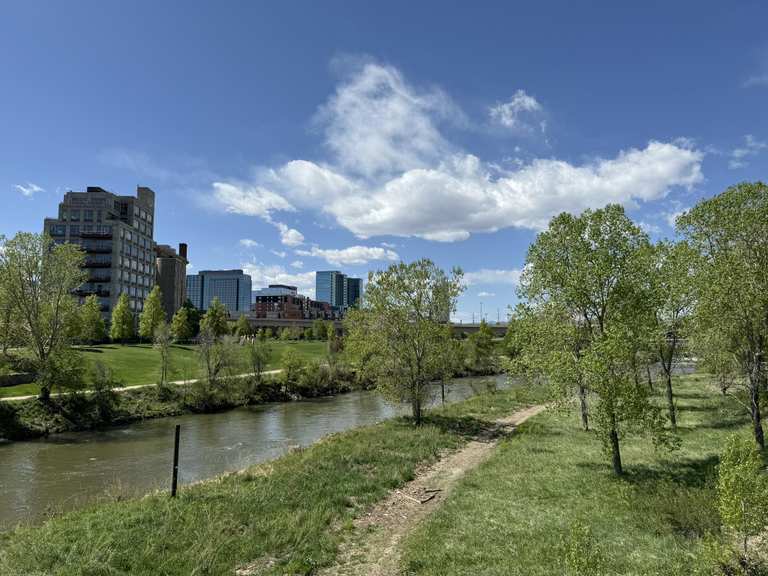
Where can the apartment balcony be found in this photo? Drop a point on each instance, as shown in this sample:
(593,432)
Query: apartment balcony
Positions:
(99,279)
(88,291)
(98,264)
(98,249)
(96,234)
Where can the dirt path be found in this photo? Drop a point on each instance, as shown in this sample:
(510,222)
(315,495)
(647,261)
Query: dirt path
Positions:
(373,548)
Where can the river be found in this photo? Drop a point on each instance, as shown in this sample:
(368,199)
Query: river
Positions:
(64,471)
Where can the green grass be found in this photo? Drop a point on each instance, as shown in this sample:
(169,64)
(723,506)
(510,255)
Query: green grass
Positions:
(140,363)
(287,516)
(515,514)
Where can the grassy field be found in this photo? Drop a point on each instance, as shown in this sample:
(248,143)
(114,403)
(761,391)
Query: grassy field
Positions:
(518,514)
(282,517)
(140,363)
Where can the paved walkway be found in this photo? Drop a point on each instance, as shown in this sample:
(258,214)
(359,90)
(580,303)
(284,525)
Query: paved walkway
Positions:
(135,386)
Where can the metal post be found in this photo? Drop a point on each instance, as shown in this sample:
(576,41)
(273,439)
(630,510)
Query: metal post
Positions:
(175,479)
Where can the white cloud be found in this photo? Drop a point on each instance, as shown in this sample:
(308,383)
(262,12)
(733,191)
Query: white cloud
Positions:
(298,264)
(351,256)
(751,147)
(262,275)
(289,236)
(392,172)
(485,294)
(492,276)
(279,253)
(756,80)
(649,227)
(513,114)
(29,189)
(248,243)
(672,216)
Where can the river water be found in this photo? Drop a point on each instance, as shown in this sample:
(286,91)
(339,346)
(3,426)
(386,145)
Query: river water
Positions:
(65,471)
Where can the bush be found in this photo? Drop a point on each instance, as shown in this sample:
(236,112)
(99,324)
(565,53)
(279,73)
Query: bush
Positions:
(104,397)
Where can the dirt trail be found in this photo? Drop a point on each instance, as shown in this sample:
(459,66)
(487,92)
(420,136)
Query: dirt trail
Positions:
(373,547)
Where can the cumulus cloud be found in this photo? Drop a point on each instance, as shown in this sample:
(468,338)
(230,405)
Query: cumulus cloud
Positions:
(289,236)
(279,253)
(29,189)
(262,275)
(485,294)
(739,155)
(248,243)
(516,113)
(351,256)
(492,276)
(392,172)
(298,264)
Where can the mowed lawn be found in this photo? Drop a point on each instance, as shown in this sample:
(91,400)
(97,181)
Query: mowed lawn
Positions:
(140,363)
(519,512)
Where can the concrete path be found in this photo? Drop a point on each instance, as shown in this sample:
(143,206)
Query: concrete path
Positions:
(135,386)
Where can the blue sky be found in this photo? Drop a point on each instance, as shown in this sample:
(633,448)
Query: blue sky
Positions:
(287,137)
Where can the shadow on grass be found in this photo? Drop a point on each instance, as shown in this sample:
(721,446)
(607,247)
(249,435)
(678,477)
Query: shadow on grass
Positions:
(464,426)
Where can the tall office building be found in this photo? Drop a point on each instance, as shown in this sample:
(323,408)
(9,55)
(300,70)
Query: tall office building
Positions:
(116,233)
(353,290)
(171,277)
(232,287)
(329,287)
(337,289)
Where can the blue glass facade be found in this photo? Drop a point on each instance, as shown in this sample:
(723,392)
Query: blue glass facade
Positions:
(231,287)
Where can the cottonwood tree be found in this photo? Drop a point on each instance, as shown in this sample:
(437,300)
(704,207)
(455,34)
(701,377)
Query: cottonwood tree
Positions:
(38,278)
(593,270)
(121,327)
(480,350)
(181,326)
(152,315)
(161,341)
(243,327)
(674,300)
(730,235)
(398,335)
(9,322)
(193,315)
(92,327)
(216,318)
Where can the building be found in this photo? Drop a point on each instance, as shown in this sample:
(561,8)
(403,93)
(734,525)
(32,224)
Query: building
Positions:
(276,290)
(284,303)
(329,287)
(171,276)
(231,287)
(116,233)
(353,291)
(338,289)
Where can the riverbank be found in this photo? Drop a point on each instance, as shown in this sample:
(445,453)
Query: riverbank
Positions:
(31,418)
(284,516)
(549,494)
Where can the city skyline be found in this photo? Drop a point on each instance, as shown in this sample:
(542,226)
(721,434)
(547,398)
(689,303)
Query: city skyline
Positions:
(366,141)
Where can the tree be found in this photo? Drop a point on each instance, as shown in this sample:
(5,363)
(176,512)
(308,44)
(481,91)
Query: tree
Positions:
(162,342)
(92,327)
(122,327)
(152,315)
(674,302)
(319,331)
(481,355)
(243,327)
(193,314)
(259,352)
(730,236)
(216,355)
(216,318)
(398,334)
(9,322)
(742,490)
(591,272)
(38,278)
(181,325)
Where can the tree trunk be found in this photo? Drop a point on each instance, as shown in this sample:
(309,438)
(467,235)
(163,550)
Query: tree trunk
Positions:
(615,448)
(671,401)
(442,390)
(416,407)
(45,394)
(650,379)
(757,423)
(584,408)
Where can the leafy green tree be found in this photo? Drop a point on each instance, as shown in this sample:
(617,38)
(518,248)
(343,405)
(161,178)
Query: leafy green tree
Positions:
(217,355)
(319,331)
(161,341)
(742,490)
(181,325)
(216,318)
(152,315)
(92,326)
(121,327)
(243,327)
(730,235)
(193,314)
(480,350)
(9,322)
(398,335)
(259,352)
(674,300)
(38,277)
(592,271)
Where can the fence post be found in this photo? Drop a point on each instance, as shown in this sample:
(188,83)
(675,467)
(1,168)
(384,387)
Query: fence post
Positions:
(175,479)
